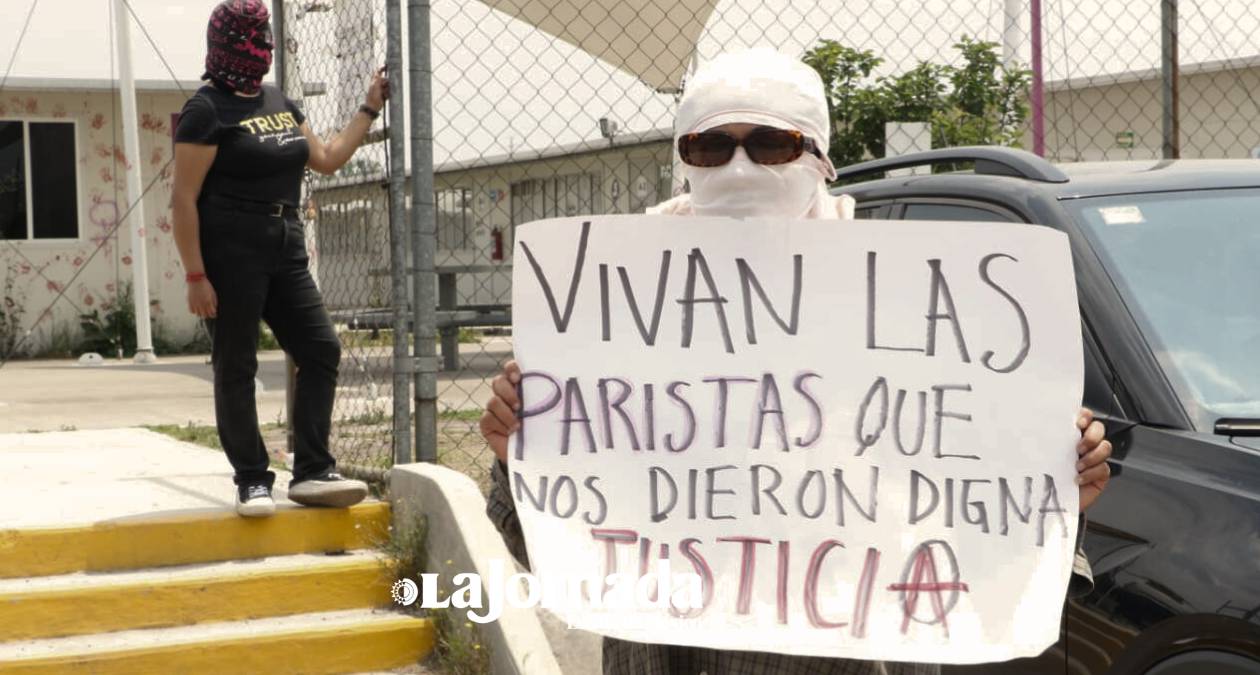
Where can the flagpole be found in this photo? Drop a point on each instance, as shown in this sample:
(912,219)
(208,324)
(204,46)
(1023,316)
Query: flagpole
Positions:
(131,152)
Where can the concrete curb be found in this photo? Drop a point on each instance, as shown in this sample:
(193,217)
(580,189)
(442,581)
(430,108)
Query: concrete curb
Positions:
(459,531)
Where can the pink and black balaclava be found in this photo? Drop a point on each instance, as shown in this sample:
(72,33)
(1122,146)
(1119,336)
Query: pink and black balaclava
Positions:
(239,45)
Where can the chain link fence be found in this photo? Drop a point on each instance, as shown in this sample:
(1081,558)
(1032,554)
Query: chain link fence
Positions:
(566,108)
(326,59)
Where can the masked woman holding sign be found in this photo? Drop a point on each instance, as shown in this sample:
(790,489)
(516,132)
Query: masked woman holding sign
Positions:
(241,149)
(749,151)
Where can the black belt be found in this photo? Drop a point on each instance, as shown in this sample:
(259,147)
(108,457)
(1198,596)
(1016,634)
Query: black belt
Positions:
(273,209)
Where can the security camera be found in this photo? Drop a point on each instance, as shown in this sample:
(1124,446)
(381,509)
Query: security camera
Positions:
(607,128)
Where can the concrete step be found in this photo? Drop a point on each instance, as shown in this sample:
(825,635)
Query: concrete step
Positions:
(91,602)
(349,641)
(190,536)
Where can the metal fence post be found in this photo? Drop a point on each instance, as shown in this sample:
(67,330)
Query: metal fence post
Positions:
(423,229)
(397,240)
(1169,67)
(290,368)
(1037,100)
(277,30)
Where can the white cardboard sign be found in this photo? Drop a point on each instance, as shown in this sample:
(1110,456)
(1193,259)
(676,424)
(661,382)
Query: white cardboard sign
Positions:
(860,434)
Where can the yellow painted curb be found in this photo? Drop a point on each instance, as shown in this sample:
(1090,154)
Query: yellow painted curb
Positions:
(344,649)
(189,537)
(226,596)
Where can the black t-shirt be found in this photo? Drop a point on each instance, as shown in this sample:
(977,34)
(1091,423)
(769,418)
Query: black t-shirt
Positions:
(262,152)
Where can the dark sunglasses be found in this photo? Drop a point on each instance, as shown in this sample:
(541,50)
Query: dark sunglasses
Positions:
(764,146)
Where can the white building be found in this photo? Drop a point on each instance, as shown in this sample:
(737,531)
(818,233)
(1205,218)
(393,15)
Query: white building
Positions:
(1120,116)
(478,204)
(62,191)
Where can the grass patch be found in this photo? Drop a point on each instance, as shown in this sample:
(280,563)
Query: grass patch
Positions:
(370,418)
(461,447)
(364,339)
(460,415)
(459,650)
(190,433)
(406,546)
(208,436)
(266,339)
(63,342)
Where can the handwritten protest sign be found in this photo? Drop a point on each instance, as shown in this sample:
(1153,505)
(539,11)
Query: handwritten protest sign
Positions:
(858,434)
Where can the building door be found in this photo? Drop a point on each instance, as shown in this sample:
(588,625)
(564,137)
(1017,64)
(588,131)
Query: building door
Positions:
(643,183)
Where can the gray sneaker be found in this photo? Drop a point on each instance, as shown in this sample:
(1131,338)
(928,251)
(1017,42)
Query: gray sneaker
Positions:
(329,489)
(254,501)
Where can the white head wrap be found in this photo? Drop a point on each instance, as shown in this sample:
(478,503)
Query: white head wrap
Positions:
(764,87)
(758,86)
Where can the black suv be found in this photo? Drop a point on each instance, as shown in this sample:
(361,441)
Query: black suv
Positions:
(1167,258)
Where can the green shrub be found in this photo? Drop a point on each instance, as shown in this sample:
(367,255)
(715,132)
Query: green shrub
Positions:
(112,333)
(12,306)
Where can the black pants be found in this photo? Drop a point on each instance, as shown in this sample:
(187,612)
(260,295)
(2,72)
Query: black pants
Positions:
(258,267)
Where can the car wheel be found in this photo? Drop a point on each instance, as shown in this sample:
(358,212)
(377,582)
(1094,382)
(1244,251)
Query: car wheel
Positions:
(1206,661)
(1193,644)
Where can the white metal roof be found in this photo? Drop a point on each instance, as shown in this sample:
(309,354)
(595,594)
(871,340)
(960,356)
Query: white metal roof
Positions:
(95,84)
(1107,79)
(521,156)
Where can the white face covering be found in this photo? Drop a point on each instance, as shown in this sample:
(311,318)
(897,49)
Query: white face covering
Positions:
(744,189)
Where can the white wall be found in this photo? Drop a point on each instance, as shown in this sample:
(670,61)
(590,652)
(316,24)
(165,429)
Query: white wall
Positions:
(90,266)
(1219,111)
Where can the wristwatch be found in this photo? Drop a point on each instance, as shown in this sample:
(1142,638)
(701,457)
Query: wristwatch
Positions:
(369,111)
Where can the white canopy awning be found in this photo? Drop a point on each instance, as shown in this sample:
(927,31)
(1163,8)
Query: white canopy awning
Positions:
(652,40)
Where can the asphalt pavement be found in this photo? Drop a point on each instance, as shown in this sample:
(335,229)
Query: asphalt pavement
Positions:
(57,395)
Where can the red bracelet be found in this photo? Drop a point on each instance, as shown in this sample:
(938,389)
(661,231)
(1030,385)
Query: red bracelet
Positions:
(194,277)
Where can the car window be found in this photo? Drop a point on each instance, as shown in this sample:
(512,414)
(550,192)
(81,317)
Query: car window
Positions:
(923,211)
(1185,266)
(1098,395)
(873,212)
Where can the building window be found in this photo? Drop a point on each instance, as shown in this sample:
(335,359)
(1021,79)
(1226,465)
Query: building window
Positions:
(454,227)
(38,181)
(343,229)
(572,195)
